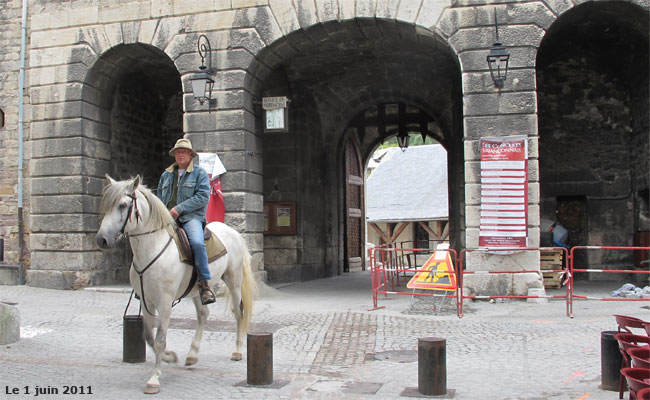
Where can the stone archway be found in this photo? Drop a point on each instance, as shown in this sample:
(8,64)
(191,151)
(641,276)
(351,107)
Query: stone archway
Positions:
(592,72)
(138,94)
(347,68)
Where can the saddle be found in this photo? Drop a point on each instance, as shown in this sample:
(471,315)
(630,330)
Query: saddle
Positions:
(213,246)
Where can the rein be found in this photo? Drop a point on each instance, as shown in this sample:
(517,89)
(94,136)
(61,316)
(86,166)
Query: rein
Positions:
(138,218)
(140,273)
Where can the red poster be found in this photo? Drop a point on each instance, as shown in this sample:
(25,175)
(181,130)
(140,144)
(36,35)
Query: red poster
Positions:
(504,192)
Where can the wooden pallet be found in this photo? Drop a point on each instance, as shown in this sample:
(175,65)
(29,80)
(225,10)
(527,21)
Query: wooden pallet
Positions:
(550,259)
(552,280)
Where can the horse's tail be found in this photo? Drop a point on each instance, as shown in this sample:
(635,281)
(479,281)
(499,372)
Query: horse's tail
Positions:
(248,290)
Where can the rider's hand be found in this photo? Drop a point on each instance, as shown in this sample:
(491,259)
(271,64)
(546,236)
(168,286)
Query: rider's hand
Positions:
(174,213)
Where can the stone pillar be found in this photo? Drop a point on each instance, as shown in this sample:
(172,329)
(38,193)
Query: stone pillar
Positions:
(9,323)
(488,112)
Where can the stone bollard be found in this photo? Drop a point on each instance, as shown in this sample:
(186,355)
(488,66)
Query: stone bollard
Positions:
(9,323)
(134,349)
(610,361)
(432,366)
(259,348)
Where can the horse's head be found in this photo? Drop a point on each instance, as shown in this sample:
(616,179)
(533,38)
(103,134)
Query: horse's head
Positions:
(120,210)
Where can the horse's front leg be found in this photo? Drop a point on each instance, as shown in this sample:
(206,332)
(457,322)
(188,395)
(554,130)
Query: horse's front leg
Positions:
(202,313)
(159,345)
(168,356)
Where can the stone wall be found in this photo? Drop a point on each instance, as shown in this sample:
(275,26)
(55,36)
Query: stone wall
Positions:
(586,134)
(139,140)
(340,58)
(10,23)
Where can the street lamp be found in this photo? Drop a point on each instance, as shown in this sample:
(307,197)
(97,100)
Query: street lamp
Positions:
(497,59)
(403,139)
(202,81)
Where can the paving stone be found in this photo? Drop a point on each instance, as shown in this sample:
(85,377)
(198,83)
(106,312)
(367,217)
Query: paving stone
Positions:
(326,344)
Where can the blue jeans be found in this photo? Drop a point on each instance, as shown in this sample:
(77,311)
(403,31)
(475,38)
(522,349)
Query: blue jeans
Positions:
(194,230)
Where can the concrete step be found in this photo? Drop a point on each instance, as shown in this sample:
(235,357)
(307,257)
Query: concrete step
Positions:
(8,274)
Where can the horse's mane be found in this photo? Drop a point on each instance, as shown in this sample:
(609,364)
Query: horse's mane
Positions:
(159,215)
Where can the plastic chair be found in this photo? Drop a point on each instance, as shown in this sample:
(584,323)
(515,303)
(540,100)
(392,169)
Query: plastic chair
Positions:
(639,357)
(625,323)
(643,394)
(646,325)
(628,341)
(637,379)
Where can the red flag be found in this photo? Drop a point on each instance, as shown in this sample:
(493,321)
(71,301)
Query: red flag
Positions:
(216,206)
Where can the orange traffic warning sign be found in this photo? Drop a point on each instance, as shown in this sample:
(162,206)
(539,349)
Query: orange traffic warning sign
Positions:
(437,273)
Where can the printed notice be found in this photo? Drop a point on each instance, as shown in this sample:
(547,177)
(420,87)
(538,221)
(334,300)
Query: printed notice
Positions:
(504,192)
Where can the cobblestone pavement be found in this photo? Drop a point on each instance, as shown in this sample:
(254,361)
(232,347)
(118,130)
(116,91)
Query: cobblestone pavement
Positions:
(326,345)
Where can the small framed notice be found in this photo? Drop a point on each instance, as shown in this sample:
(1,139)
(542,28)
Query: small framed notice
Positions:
(280,218)
(276,115)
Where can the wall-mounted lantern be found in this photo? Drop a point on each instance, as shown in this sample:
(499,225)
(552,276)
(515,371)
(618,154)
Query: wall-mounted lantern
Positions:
(403,139)
(202,81)
(498,59)
(276,115)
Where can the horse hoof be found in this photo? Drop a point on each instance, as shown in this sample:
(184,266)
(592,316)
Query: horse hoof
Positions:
(170,357)
(151,389)
(191,361)
(236,356)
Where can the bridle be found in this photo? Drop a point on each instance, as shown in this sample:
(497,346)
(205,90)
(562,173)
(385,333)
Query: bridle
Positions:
(134,204)
(138,217)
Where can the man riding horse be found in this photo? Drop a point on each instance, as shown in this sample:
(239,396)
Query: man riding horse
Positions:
(185,189)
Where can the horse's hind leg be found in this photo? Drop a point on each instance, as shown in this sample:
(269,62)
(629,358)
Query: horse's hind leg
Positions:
(202,313)
(237,312)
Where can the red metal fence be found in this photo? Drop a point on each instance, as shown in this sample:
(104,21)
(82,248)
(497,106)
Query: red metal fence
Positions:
(390,263)
(575,269)
(387,262)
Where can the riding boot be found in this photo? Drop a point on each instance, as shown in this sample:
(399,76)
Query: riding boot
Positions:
(207,297)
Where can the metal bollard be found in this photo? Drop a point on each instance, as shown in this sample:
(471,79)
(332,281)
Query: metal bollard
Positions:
(133,346)
(259,348)
(610,361)
(432,366)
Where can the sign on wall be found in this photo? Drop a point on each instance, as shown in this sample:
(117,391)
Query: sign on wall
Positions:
(275,114)
(504,192)
(279,218)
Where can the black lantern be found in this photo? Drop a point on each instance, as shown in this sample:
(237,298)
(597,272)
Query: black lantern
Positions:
(403,139)
(202,81)
(498,59)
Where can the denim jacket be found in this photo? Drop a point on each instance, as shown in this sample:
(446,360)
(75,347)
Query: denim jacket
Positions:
(193,192)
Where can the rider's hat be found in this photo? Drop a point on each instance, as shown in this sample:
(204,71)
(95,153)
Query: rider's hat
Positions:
(183,144)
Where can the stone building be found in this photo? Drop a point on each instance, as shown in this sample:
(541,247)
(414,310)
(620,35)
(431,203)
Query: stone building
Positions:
(107,90)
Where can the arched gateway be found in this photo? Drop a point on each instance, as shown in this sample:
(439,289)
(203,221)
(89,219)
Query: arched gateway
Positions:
(108,84)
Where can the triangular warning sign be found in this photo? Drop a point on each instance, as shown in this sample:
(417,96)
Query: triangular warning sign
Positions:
(437,273)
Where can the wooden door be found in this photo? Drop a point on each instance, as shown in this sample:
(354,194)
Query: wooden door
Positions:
(354,230)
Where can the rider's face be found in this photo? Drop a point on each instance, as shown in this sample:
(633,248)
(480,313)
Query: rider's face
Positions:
(183,157)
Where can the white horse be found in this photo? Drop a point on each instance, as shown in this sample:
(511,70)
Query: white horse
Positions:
(131,209)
